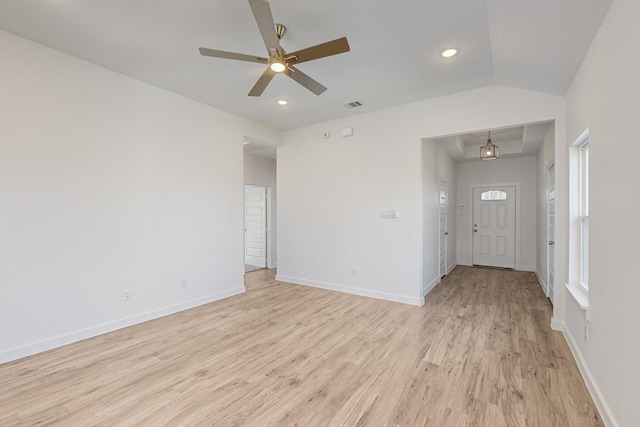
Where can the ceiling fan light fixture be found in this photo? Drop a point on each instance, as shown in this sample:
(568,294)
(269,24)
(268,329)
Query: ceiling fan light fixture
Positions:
(277,66)
(489,151)
(278,60)
(448,53)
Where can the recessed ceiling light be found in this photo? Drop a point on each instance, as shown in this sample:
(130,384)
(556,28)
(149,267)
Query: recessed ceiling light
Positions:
(448,53)
(283,101)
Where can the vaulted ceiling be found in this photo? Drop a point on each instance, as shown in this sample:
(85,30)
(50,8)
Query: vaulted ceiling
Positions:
(394,58)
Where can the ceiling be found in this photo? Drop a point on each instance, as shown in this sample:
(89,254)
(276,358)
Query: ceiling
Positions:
(394,58)
(513,141)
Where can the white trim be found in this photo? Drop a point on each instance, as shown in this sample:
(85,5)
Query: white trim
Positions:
(549,286)
(268,226)
(576,243)
(59,341)
(450,269)
(557,325)
(351,290)
(517,185)
(580,293)
(446,216)
(543,285)
(582,139)
(603,409)
(430,287)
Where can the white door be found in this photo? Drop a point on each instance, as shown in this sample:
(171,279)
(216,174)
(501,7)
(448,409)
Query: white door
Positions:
(551,228)
(443,228)
(494,228)
(255,226)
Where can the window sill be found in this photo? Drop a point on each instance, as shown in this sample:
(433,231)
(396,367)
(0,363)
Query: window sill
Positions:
(579,293)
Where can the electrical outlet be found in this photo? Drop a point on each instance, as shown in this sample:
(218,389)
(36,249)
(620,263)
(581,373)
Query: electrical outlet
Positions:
(586,331)
(183,283)
(353,271)
(126,296)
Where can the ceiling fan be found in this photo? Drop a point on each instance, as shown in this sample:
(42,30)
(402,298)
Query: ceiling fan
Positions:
(280,61)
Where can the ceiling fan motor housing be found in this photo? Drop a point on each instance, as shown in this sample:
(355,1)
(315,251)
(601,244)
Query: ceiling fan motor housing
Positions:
(281,30)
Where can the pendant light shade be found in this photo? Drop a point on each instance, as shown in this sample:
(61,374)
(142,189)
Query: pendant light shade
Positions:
(489,151)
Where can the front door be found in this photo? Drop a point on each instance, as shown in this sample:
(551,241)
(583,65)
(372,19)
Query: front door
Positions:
(255,226)
(494,228)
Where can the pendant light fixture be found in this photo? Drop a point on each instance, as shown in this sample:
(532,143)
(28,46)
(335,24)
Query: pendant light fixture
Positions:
(489,151)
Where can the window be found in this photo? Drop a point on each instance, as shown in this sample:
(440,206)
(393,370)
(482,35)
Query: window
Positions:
(493,195)
(578,284)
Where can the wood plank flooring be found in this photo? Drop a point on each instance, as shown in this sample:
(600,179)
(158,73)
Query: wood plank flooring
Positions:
(479,353)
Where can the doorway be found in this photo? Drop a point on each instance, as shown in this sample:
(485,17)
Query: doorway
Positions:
(255,227)
(494,226)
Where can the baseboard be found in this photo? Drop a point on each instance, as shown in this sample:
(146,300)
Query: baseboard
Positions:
(526,268)
(83,334)
(272,265)
(430,287)
(450,269)
(351,290)
(557,325)
(542,283)
(594,390)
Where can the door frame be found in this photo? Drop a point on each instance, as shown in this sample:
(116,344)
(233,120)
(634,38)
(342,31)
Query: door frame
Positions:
(268,206)
(550,267)
(472,187)
(440,231)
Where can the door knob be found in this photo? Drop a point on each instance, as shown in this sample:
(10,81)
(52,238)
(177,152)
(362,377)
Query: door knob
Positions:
(446,233)
(475,231)
(551,242)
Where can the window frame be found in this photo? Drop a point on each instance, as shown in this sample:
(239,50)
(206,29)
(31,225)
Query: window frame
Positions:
(578,280)
(583,171)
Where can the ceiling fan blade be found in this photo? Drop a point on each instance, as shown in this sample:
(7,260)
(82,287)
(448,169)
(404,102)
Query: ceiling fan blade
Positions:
(262,82)
(231,55)
(305,80)
(320,51)
(262,12)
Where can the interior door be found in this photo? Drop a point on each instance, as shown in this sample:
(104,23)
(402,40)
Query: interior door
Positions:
(443,228)
(494,230)
(255,226)
(551,228)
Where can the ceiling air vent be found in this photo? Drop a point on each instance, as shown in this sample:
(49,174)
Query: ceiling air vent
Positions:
(353,104)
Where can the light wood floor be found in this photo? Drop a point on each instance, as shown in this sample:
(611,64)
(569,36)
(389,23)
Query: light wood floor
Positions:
(479,353)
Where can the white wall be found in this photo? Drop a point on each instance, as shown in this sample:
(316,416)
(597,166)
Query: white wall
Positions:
(262,171)
(430,217)
(516,170)
(331,190)
(109,184)
(604,97)
(545,160)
